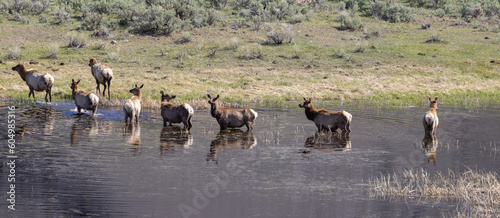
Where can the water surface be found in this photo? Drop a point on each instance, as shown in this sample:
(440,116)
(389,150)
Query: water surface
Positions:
(70,164)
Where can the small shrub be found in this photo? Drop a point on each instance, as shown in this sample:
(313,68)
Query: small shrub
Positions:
(112,56)
(234,44)
(298,18)
(77,41)
(398,13)
(43,18)
(342,55)
(374,34)
(257,23)
(279,33)
(61,17)
(394,13)
(436,39)
(101,46)
(251,52)
(14,53)
(157,20)
(350,22)
(186,38)
(92,21)
(360,49)
(239,23)
(377,9)
(53,51)
(470,11)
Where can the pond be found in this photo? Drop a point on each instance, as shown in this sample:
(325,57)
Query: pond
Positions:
(71,165)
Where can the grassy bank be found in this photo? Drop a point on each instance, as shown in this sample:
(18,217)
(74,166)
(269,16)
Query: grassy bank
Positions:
(477,192)
(384,63)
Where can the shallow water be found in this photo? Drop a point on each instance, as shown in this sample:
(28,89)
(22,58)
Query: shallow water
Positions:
(70,164)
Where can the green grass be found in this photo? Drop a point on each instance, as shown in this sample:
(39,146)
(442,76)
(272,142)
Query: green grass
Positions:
(389,71)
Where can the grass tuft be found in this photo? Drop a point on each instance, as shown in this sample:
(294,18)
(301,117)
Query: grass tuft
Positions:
(478,191)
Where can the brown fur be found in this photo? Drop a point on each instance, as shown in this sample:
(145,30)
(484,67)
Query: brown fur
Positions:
(36,81)
(431,120)
(102,74)
(327,120)
(175,113)
(132,107)
(84,100)
(231,117)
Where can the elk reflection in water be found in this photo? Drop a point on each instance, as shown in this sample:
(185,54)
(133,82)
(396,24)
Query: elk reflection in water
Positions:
(132,132)
(45,116)
(83,126)
(87,127)
(331,141)
(430,144)
(172,136)
(229,140)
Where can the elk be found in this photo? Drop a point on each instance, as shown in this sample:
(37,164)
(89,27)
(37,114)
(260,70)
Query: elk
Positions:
(102,74)
(84,100)
(175,113)
(431,120)
(231,117)
(327,120)
(36,81)
(132,107)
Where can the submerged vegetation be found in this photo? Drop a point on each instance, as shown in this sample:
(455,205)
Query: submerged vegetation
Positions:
(477,191)
(385,52)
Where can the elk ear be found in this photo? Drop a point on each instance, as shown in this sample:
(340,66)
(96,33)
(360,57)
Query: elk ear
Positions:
(136,85)
(436,99)
(304,98)
(430,99)
(72,80)
(162,93)
(141,86)
(208,95)
(78,82)
(217,97)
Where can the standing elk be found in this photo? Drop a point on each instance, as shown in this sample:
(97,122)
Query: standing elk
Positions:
(132,107)
(327,120)
(102,74)
(84,100)
(431,120)
(175,113)
(36,81)
(231,117)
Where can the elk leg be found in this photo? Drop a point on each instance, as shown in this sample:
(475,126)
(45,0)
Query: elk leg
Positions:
(50,95)
(109,88)
(189,123)
(98,87)
(249,126)
(104,90)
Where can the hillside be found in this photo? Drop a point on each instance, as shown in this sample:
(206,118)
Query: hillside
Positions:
(394,52)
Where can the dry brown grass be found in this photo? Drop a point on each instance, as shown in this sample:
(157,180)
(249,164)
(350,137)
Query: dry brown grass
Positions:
(477,191)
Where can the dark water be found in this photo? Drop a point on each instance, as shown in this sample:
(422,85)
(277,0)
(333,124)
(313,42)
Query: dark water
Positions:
(72,165)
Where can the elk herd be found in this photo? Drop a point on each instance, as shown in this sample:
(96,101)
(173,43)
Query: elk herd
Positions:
(183,113)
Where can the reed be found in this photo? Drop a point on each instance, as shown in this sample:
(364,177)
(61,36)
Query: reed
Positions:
(478,192)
